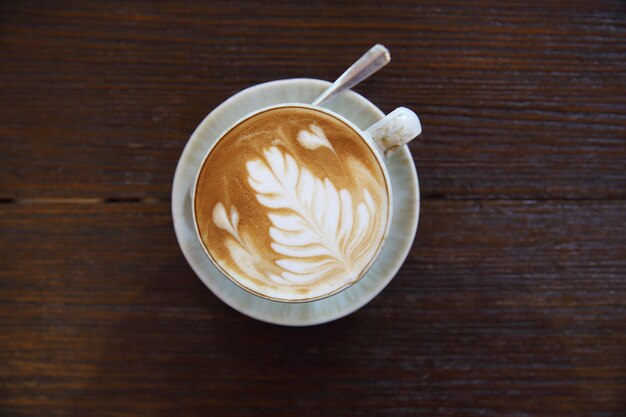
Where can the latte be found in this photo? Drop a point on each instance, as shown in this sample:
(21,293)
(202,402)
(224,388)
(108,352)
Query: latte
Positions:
(292,204)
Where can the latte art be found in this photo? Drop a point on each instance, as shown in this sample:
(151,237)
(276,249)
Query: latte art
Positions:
(292,204)
(312,222)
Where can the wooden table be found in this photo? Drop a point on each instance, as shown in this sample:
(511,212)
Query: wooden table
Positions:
(512,301)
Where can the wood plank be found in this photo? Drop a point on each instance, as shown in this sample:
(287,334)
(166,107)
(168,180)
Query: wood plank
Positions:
(502,309)
(518,99)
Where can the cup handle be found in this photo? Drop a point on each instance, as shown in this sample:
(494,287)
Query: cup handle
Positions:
(397,129)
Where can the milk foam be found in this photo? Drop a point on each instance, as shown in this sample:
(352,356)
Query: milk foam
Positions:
(292,210)
(312,221)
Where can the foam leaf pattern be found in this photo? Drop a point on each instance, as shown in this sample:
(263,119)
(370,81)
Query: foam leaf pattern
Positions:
(242,250)
(314,138)
(224,222)
(317,229)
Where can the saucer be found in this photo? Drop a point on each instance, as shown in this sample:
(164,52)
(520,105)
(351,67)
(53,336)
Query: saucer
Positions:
(403,226)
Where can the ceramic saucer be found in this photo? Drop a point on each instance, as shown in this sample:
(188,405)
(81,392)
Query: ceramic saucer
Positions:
(405,206)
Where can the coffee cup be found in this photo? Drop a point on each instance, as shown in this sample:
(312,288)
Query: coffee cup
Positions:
(292,203)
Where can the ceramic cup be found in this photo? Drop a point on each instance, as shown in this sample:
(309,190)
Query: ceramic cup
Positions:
(384,137)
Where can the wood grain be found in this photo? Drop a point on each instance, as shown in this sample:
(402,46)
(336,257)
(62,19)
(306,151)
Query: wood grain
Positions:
(518,100)
(511,302)
(502,309)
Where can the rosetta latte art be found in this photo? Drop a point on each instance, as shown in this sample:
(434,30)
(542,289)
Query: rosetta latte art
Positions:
(292,204)
(315,227)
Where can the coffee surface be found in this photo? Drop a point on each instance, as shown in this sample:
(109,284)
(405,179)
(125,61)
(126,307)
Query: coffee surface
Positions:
(292,204)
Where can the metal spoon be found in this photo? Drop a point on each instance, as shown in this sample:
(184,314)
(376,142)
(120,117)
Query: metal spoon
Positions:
(373,60)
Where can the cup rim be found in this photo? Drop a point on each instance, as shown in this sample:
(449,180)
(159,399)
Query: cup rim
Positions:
(378,154)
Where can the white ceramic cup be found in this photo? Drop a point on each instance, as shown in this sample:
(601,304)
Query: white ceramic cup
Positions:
(395,130)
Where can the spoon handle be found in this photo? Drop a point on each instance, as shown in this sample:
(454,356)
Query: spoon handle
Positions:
(373,60)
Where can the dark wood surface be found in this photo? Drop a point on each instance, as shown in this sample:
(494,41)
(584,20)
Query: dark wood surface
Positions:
(512,301)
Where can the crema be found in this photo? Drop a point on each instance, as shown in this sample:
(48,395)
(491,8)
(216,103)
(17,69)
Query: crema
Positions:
(292,204)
